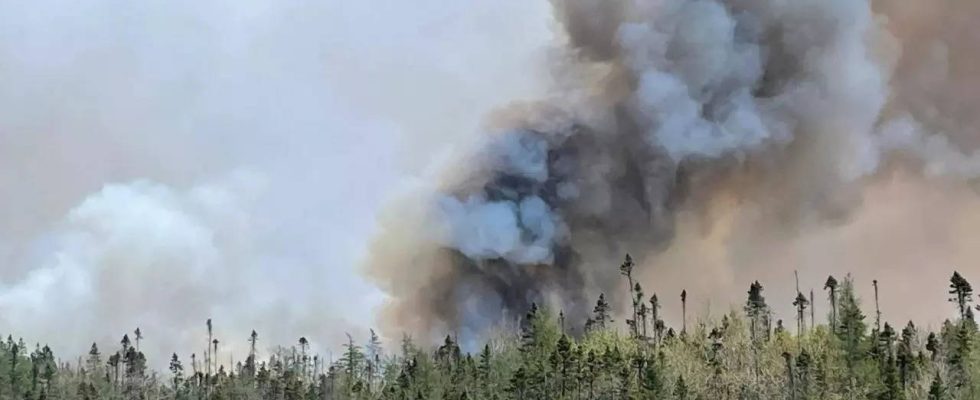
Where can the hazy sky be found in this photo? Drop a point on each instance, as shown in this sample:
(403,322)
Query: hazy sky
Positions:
(162,162)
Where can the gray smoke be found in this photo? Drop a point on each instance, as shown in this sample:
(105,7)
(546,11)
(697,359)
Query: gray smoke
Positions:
(662,111)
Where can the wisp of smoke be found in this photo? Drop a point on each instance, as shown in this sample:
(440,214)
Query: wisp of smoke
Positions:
(664,113)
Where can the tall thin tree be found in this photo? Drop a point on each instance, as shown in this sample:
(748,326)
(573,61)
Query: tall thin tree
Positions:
(813,314)
(655,317)
(960,288)
(626,269)
(207,350)
(214,355)
(139,336)
(831,286)
(874,283)
(684,311)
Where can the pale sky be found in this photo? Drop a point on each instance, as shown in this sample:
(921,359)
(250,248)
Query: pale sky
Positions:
(162,162)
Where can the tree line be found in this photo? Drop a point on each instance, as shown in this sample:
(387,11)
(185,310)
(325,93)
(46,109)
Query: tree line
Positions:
(745,354)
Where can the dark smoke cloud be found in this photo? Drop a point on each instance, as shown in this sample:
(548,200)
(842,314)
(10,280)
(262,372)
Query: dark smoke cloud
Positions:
(683,129)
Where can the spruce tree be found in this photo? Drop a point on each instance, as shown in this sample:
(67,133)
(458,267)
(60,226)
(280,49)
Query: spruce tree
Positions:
(851,331)
(937,391)
(757,311)
(177,374)
(601,313)
(626,269)
(962,293)
(831,287)
(683,312)
(800,302)
(680,388)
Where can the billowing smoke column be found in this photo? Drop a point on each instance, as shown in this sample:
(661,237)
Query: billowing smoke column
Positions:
(661,107)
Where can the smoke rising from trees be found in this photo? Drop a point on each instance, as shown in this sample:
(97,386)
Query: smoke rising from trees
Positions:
(715,140)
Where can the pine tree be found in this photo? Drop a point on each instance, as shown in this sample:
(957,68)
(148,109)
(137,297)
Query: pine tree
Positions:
(680,388)
(138,336)
(891,386)
(564,354)
(906,355)
(960,346)
(93,363)
(790,377)
(937,391)
(626,269)
(374,351)
(757,311)
(601,313)
(658,325)
(683,312)
(852,329)
(962,293)
(831,287)
(932,344)
(177,372)
(207,350)
(641,312)
(653,381)
(253,339)
(485,368)
(804,376)
(353,359)
(801,303)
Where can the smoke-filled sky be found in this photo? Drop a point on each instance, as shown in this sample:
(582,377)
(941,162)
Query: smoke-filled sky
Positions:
(719,142)
(165,162)
(309,168)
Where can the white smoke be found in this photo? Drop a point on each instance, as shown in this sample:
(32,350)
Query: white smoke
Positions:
(939,156)
(164,259)
(523,232)
(124,128)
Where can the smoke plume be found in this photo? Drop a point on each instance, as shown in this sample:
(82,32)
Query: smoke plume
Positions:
(718,142)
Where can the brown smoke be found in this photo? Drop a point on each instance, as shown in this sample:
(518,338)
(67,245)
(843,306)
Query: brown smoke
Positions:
(719,141)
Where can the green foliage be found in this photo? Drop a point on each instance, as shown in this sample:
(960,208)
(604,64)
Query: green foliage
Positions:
(736,356)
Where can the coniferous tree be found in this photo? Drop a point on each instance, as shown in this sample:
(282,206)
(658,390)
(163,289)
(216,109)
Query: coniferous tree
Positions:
(831,287)
(93,364)
(249,370)
(177,374)
(680,388)
(800,303)
(626,269)
(905,357)
(803,375)
(658,325)
(139,336)
(932,345)
(683,312)
(757,311)
(937,391)
(720,358)
(851,331)
(353,359)
(790,377)
(962,293)
(960,345)
(891,388)
(207,350)
(640,312)
(601,313)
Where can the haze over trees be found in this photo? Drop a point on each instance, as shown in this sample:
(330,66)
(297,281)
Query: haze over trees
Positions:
(742,355)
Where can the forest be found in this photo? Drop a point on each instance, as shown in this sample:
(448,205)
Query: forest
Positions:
(746,354)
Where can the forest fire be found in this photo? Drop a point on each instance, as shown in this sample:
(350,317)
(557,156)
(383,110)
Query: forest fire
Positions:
(662,109)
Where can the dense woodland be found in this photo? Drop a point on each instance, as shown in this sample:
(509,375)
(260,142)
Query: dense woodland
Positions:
(744,355)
